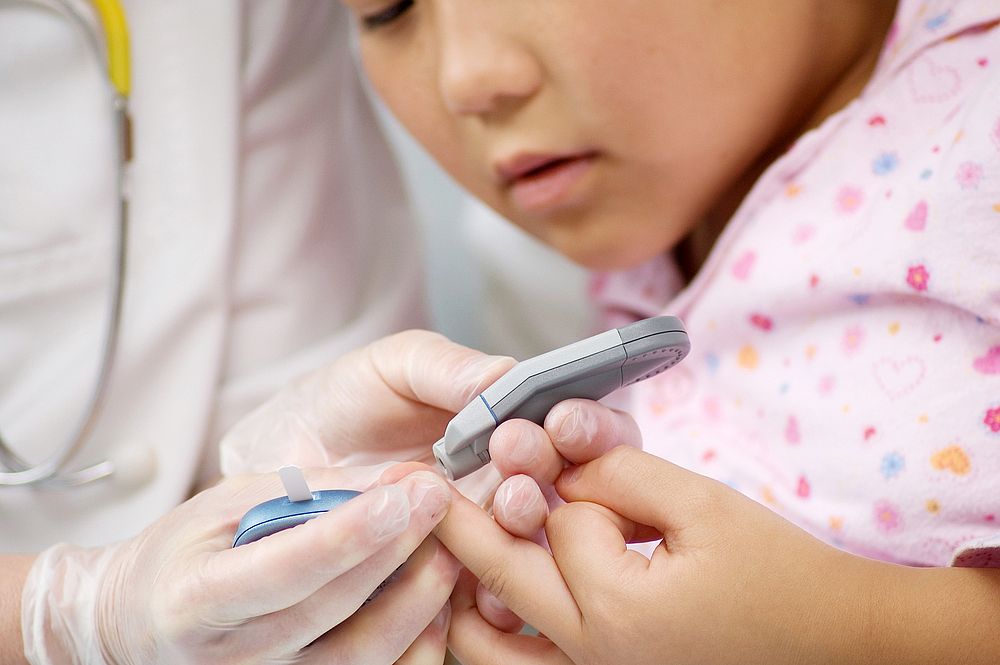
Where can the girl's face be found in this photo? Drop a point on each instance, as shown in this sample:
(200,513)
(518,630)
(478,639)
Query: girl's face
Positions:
(607,128)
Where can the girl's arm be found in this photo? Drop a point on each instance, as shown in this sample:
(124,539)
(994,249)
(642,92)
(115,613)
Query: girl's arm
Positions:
(13,571)
(732,582)
(936,615)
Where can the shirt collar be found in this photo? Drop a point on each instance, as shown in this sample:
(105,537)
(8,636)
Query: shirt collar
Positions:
(919,24)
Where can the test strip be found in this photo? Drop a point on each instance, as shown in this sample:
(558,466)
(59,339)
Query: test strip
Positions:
(295,484)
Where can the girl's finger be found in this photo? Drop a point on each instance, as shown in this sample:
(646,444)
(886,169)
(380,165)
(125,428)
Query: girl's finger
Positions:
(520,573)
(589,545)
(644,489)
(475,642)
(495,612)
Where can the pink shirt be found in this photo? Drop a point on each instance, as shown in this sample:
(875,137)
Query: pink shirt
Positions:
(845,368)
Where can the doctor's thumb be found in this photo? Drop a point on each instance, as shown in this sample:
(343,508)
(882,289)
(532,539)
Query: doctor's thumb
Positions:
(429,368)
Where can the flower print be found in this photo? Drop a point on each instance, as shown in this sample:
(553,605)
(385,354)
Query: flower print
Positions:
(853,338)
(887,516)
(996,134)
(748,357)
(762,321)
(937,21)
(849,199)
(969,174)
(892,465)
(885,163)
(918,277)
(992,419)
(712,362)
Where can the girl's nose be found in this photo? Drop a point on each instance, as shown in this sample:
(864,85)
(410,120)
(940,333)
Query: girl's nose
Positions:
(482,70)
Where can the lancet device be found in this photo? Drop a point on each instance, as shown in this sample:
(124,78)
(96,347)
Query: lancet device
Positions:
(591,369)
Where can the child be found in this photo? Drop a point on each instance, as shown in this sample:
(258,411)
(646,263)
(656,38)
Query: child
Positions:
(813,187)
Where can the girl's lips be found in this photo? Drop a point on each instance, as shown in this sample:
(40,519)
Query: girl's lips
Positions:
(543,183)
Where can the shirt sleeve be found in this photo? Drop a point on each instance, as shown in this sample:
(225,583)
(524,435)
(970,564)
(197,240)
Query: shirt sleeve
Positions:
(983,553)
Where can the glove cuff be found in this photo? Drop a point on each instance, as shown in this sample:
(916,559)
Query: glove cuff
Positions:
(59,605)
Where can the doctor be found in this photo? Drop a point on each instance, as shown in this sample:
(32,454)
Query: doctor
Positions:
(268,235)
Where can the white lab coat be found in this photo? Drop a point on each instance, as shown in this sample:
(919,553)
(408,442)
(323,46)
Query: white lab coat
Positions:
(269,235)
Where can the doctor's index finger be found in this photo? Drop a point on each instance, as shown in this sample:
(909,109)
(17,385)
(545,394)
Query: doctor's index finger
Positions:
(287,567)
(519,572)
(429,368)
(582,430)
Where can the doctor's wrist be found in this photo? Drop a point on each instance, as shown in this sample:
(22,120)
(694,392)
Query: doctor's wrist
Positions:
(13,571)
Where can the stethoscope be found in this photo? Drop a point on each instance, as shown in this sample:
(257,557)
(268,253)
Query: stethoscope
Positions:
(16,471)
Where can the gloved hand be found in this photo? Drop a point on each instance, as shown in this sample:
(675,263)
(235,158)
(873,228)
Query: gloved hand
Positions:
(178,593)
(390,400)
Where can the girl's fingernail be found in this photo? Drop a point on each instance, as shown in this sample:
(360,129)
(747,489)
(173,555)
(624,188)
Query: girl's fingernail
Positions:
(389,513)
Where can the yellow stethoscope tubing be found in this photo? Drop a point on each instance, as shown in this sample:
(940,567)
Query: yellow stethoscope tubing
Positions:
(50,471)
(115,28)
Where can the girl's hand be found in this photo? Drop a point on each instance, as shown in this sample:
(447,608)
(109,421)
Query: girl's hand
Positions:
(530,458)
(731,581)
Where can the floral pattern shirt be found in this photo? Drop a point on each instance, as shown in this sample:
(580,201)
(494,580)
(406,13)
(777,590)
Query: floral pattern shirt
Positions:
(845,368)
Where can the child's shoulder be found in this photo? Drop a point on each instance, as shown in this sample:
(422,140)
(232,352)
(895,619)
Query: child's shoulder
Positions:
(909,174)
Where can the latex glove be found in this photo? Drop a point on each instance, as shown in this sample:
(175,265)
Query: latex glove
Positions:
(530,458)
(390,400)
(178,593)
(734,582)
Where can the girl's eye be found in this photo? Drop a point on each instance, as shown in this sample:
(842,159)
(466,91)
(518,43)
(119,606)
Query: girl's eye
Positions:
(387,15)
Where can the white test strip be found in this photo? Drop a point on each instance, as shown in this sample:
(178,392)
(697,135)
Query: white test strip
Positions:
(295,484)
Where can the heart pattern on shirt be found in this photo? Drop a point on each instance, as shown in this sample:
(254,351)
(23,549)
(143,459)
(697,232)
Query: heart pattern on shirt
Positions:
(952,459)
(931,82)
(898,377)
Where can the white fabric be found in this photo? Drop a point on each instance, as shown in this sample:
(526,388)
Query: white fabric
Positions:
(269,234)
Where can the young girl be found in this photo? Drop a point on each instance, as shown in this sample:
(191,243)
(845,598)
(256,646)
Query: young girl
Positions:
(814,188)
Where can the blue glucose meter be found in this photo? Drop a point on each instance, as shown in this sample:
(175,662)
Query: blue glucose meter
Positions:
(299,506)
(283,513)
